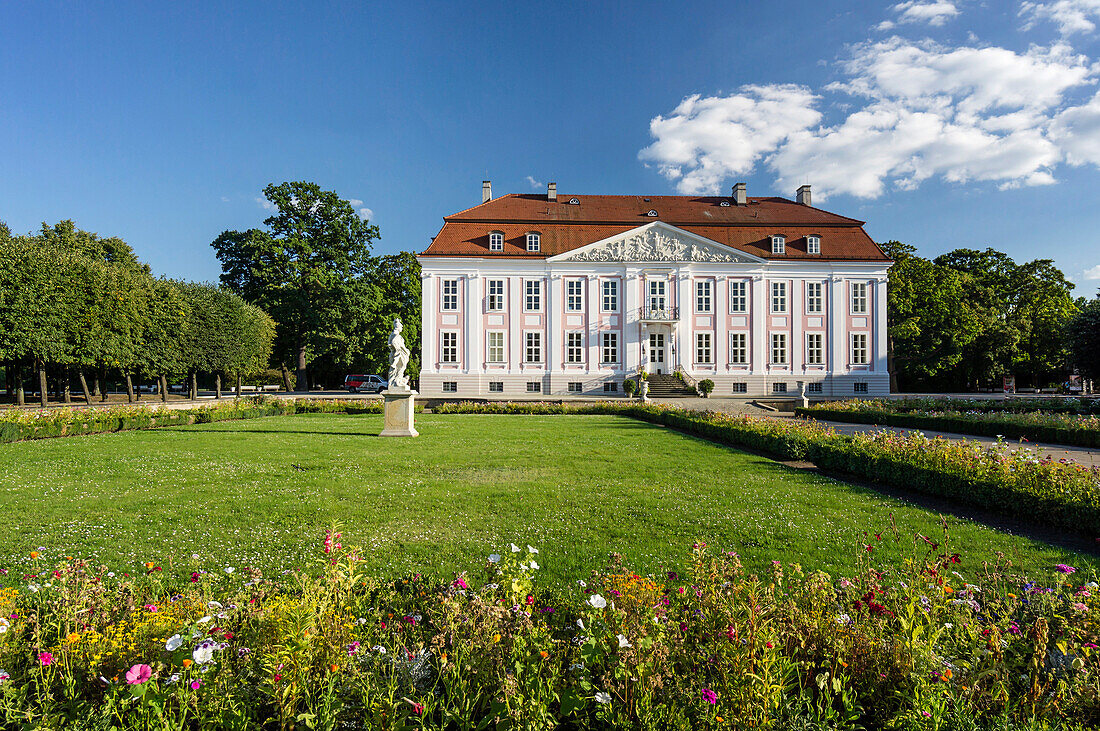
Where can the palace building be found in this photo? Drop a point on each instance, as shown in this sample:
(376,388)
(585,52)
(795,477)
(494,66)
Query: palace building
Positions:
(561,294)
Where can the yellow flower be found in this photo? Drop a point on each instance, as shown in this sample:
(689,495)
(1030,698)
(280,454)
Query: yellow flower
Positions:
(34,554)
(73,638)
(1011,596)
(496,638)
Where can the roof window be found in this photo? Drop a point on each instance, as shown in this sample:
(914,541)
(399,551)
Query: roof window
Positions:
(652,213)
(496,241)
(813,244)
(574,202)
(779,245)
(724,204)
(533,241)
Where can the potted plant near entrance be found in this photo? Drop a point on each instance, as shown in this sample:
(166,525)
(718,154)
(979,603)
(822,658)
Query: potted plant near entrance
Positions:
(643,380)
(629,386)
(705,387)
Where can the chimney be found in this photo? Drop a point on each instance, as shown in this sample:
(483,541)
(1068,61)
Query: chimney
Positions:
(739,197)
(803,195)
(552,192)
(486,191)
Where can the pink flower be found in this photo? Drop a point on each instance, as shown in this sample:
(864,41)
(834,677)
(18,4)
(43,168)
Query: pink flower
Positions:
(139,674)
(1078,606)
(459,583)
(196,684)
(710,696)
(45,659)
(1063,569)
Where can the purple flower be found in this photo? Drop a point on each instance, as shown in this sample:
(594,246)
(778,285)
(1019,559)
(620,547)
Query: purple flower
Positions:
(1063,569)
(710,696)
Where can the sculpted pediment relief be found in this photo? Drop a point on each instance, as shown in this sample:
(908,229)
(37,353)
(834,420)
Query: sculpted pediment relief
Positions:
(653,244)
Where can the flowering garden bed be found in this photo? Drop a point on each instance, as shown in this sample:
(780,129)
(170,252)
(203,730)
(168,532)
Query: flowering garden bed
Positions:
(921,646)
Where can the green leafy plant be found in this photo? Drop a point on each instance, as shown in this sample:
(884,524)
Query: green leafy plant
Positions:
(706,386)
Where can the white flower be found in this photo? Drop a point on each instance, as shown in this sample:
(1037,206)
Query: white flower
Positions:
(110,574)
(379,649)
(4,624)
(531,549)
(947,625)
(624,642)
(603,698)
(580,623)
(580,582)
(205,619)
(515,548)
(173,643)
(213,605)
(523,566)
(597,601)
(229,569)
(843,619)
(204,653)
(195,556)
(4,676)
(494,557)
(534,565)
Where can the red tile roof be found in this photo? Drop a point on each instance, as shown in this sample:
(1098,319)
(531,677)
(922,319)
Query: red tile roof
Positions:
(565,227)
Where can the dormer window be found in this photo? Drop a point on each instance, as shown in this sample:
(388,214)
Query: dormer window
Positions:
(533,241)
(813,244)
(724,204)
(779,245)
(496,241)
(652,213)
(574,202)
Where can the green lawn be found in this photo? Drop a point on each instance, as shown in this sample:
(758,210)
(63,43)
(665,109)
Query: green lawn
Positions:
(261,493)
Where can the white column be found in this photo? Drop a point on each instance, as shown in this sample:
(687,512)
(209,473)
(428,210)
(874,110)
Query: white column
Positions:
(721,319)
(798,344)
(429,332)
(879,326)
(685,346)
(760,315)
(632,351)
(592,304)
(515,324)
(838,335)
(474,324)
(554,336)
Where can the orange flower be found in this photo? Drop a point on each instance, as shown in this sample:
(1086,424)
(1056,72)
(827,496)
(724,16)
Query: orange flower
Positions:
(148,564)
(948,590)
(843,664)
(187,663)
(34,554)
(947,675)
(544,654)
(334,667)
(1011,596)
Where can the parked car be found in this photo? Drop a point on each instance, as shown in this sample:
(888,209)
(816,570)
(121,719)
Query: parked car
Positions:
(366,384)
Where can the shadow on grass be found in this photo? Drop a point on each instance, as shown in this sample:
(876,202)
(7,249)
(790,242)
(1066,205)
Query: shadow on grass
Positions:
(1089,545)
(192,429)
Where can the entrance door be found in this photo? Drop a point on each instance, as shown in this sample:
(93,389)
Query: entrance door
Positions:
(657,352)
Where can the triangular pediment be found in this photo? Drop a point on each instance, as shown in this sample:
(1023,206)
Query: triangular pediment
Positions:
(657,242)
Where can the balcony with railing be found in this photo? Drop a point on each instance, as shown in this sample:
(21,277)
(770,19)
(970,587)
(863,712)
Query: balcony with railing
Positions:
(658,314)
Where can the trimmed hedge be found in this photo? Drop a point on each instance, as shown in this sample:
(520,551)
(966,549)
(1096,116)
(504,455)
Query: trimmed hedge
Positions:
(1079,431)
(1015,484)
(20,426)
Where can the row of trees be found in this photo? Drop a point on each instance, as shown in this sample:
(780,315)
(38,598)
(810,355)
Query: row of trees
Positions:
(74,303)
(966,318)
(312,269)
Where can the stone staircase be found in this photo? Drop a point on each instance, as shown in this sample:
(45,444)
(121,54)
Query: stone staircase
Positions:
(664,385)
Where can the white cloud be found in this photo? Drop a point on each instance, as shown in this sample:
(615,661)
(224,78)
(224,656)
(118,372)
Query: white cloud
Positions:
(1071,16)
(932,12)
(365,213)
(707,139)
(922,111)
(225,199)
(265,204)
(1091,274)
(533,183)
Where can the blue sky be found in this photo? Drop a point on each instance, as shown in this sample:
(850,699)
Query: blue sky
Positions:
(942,123)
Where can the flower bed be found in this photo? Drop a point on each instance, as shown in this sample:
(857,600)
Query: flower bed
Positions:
(1015,483)
(1058,428)
(932,645)
(21,425)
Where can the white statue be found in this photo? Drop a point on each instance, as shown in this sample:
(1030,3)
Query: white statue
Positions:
(399,359)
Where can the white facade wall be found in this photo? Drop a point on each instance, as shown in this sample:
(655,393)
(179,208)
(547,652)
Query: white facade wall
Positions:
(462,362)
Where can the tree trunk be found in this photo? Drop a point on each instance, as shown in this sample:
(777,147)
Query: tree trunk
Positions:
(20,394)
(129,389)
(66,391)
(43,387)
(163,388)
(103,387)
(84,386)
(194,385)
(217,385)
(302,384)
(286,377)
(890,364)
(238,392)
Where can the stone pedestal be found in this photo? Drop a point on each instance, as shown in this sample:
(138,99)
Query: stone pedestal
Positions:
(644,390)
(398,413)
(803,401)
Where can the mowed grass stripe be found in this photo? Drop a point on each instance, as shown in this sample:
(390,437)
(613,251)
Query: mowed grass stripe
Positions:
(578,487)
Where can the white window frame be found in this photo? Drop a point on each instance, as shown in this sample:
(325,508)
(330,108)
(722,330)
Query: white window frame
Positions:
(813,244)
(450,387)
(532,290)
(704,296)
(651,284)
(496,386)
(496,241)
(443,347)
(494,301)
(609,345)
(819,350)
(739,293)
(704,348)
(572,349)
(858,302)
(489,347)
(739,348)
(534,241)
(863,350)
(818,299)
(779,244)
(448,300)
(778,298)
(574,300)
(778,342)
(536,348)
(609,291)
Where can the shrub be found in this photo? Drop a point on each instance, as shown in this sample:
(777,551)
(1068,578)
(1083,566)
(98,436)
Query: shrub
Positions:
(706,386)
(629,386)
